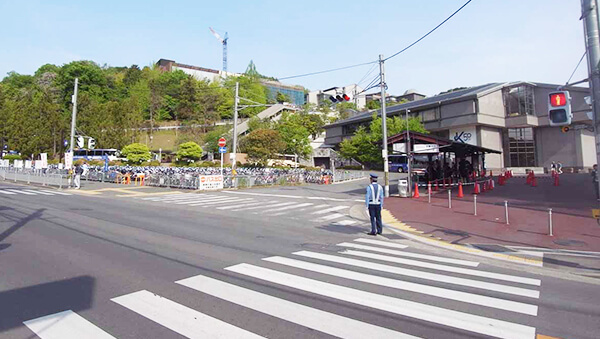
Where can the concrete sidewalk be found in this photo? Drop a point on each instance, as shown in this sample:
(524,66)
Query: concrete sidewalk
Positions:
(576,233)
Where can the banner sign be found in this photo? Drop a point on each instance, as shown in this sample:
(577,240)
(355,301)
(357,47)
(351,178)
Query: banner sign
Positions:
(426,148)
(210,182)
(28,164)
(39,164)
(44,160)
(4,163)
(18,164)
(68,159)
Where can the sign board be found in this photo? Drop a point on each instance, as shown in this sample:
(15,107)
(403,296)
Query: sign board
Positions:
(426,148)
(222,142)
(61,166)
(69,160)
(210,182)
(28,164)
(38,164)
(465,135)
(18,164)
(4,163)
(223,149)
(44,160)
(400,147)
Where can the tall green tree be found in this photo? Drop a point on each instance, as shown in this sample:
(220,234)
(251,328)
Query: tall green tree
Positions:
(262,145)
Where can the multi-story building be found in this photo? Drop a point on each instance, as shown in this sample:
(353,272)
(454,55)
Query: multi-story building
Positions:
(295,93)
(508,117)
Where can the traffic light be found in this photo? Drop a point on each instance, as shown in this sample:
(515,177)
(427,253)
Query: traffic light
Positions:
(559,108)
(346,97)
(333,99)
(339,98)
(92,143)
(565,129)
(80,142)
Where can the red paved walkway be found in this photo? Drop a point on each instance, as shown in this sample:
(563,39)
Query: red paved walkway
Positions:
(572,201)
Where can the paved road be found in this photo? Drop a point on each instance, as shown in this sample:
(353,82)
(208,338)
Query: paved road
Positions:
(279,263)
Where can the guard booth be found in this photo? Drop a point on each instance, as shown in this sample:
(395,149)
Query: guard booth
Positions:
(431,158)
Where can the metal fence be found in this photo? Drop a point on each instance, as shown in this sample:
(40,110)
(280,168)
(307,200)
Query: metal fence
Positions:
(45,178)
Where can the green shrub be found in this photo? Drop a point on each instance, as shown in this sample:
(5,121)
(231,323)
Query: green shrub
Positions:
(154,163)
(11,157)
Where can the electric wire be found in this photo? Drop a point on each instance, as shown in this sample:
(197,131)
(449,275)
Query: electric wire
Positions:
(431,31)
(329,70)
(367,74)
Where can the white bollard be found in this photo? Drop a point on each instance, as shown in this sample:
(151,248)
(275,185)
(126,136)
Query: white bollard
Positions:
(429,193)
(449,199)
(550,222)
(506,211)
(475,204)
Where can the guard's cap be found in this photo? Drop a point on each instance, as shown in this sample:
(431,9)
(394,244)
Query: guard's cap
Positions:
(373,176)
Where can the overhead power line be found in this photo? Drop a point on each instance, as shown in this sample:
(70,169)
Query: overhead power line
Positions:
(576,67)
(424,36)
(328,70)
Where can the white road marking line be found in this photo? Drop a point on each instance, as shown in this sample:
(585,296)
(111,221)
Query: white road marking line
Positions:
(38,192)
(175,198)
(329,217)
(290,196)
(325,322)
(287,207)
(21,192)
(382,243)
(6,192)
(410,254)
(439,292)
(56,192)
(467,271)
(422,275)
(345,222)
(65,325)
(239,206)
(228,201)
(178,318)
(434,314)
(331,209)
(204,199)
(266,205)
(165,197)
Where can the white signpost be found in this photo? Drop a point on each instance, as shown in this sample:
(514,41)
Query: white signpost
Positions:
(210,182)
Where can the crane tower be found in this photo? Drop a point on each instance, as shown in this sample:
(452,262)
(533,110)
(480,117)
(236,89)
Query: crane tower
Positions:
(224,42)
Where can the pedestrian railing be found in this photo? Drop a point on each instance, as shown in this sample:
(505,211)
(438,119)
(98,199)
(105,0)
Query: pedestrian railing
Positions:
(34,176)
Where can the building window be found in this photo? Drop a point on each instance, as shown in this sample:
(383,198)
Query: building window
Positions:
(521,147)
(518,100)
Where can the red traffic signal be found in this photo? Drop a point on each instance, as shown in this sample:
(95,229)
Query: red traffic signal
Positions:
(346,97)
(558,99)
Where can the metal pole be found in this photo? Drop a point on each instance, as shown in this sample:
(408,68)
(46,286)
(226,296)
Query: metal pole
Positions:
(74,115)
(475,204)
(589,14)
(449,198)
(235,123)
(408,158)
(384,152)
(221,164)
(429,193)
(550,222)
(506,211)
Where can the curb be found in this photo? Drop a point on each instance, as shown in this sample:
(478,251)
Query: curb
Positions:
(409,232)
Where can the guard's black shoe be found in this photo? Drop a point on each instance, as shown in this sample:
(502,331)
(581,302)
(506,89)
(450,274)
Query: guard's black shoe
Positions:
(372,233)
(378,232)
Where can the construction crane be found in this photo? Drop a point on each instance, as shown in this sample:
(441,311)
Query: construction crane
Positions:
(224,42)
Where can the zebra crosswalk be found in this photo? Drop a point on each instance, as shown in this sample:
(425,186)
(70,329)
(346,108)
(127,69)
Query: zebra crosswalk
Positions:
(318,212)
(468,299)
(30,192)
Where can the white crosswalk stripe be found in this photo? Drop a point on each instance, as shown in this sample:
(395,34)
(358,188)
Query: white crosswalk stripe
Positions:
(410,255)
(485,314)
(220,201)
(286,208)
(240,206)
(56,192)
(31,192)
(38,192)
(6,192)
(65,325)
(20,192)
(329,217)
(332,209)
(179,318)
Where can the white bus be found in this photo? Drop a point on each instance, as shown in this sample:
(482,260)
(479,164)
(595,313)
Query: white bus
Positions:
(110,154)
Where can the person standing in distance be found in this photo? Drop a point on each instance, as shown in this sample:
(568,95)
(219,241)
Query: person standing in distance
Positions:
(374,203)
(78,172)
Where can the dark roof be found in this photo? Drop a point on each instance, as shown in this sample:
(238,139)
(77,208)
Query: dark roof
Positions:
(430,101)
(451,146)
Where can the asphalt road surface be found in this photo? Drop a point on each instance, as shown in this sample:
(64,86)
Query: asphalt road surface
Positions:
(292,262)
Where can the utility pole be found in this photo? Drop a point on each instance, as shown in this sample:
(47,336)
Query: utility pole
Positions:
(408,166)
(589,14)
(74,115)
(384,151)
(235,123)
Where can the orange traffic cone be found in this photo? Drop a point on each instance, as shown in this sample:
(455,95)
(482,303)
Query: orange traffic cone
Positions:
(556,180)
(534,182)
(476,190)
(416,191)
(460,190)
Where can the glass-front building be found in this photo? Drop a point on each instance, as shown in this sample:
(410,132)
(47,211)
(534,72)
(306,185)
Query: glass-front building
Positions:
(521,147)
(296,94)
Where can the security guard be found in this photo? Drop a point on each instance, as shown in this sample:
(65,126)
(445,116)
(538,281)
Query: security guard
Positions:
(374,203)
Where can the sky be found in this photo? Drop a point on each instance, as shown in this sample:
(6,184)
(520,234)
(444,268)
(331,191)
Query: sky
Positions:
(488,41)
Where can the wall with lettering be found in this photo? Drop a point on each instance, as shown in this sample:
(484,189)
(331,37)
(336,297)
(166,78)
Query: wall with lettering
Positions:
(466,135)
